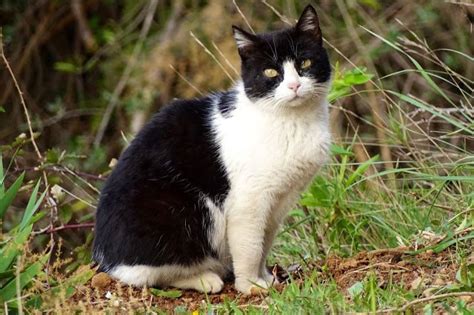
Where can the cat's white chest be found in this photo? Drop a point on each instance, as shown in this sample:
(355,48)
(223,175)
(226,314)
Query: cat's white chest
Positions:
(271,151)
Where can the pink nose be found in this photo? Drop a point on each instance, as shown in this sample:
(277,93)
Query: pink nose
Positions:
(294,86)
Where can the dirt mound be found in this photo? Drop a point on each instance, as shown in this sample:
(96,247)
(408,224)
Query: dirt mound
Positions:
(421,272)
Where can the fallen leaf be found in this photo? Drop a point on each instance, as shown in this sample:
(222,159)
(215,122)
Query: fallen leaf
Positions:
(166,293)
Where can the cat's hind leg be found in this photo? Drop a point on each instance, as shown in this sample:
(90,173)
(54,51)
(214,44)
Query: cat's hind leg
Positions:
(208,282)
(204,277)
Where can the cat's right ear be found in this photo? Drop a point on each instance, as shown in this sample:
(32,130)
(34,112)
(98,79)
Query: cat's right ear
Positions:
(244,40)
(309,23)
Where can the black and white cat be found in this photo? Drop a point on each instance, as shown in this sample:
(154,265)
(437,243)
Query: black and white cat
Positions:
(202,189)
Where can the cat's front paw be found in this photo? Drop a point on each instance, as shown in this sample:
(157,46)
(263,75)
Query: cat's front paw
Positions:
(210,283)
(253,287)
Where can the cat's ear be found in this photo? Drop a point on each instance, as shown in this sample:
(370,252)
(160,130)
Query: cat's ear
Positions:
(309,23)
(243,39)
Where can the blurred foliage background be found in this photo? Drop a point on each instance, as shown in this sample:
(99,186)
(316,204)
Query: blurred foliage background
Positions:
(77,60)
(93,71)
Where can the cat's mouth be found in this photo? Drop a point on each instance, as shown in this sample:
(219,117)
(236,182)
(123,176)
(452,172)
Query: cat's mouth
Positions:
(296,100)
(298,97)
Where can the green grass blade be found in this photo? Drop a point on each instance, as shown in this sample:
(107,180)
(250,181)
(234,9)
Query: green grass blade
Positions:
(423,72)
(7,274)
(10,194)
(9,253)
(8,292)
(32,206)
(361,170)
(2,186)
(432,110)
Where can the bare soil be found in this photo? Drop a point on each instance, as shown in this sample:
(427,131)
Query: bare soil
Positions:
(422,272)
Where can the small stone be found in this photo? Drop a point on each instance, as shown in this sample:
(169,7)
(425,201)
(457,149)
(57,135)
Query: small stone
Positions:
(101,280)
(113,163)
(416,283)
(439,282)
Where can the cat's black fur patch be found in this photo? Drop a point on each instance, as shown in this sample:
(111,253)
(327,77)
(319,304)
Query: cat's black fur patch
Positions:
(150,211)
(226,102)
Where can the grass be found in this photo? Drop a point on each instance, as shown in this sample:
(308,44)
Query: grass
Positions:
(401,177)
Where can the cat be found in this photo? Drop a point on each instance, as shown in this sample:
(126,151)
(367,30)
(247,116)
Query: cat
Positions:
(202,189)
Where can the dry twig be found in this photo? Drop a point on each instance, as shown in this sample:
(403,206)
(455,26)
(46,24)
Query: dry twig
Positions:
(151,9)
(424,300)
(20,94)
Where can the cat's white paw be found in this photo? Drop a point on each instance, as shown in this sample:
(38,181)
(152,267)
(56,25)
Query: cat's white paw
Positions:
(252,286)
(207,282)
(210,283)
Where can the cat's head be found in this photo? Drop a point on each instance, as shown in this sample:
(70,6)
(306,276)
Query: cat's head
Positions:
(286,68)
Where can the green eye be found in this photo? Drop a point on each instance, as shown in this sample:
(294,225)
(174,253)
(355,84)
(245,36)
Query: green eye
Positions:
(306,64)
(271,73)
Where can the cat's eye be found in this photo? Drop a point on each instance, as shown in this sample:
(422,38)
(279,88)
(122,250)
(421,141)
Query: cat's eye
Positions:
(271,73)
(306,64)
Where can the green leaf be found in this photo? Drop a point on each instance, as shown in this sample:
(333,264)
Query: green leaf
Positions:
(356,289)
(10,194)
(2,109)
(342,83)
(361,170)
(375,4)
(318,195)
(338,150)
(66,67)
(32,206)
(7,274)
(8,254)
(166,293)
(465,275)
(8,292)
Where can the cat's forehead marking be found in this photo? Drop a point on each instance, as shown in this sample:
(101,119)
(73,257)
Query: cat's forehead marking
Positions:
(289,70)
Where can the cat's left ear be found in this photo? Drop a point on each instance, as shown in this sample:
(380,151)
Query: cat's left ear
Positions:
(243,39)
(309,23)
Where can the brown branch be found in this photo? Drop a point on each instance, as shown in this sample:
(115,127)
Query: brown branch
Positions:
(69,227)
(84,30)
(62,169)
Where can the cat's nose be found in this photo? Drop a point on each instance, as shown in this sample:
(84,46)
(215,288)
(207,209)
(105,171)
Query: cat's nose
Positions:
(294,86)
